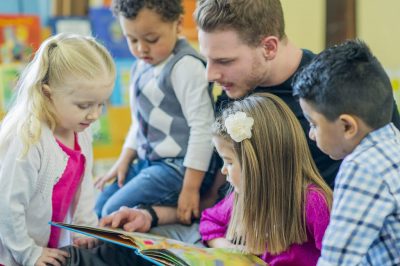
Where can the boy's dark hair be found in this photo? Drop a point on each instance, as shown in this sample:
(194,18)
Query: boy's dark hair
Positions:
(169,10)
(347,79)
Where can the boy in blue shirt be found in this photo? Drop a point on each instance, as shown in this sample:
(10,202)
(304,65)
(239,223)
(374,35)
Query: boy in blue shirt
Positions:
(347,98)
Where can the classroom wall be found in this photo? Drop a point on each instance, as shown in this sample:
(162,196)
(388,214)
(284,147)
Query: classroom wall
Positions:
(305,23)
(378,24)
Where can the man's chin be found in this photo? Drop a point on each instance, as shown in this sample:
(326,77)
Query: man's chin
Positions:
(235,94)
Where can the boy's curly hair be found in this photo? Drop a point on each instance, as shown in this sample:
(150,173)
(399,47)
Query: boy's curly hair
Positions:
(169,10)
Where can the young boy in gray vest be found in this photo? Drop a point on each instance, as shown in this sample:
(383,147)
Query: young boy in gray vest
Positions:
(167,153)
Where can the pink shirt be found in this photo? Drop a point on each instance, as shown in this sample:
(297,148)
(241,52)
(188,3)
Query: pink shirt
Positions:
(214,223)
(65,189)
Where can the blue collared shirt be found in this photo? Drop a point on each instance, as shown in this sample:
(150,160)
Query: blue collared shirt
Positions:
(365,221)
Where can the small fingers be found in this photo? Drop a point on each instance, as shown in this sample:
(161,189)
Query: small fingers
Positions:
(56,257)
(99,183)
(121,178)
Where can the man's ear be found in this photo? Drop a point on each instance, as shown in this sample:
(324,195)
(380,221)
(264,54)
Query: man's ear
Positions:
(350,126)
(270,47)
(46,90)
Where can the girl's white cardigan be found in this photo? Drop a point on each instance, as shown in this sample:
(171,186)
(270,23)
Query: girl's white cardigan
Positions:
(26,186)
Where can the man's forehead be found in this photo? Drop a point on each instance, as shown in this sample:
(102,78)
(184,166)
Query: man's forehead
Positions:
(219,45)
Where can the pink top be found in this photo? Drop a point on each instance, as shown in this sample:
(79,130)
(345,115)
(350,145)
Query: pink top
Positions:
(214,223)
(66,187)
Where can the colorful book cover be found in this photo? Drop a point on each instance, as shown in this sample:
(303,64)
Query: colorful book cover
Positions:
(19,37)
(163,251)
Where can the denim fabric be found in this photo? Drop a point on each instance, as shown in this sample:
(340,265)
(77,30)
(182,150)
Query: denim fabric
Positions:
(148,182)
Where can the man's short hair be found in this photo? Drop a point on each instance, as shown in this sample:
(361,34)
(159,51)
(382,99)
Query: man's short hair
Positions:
(252,20)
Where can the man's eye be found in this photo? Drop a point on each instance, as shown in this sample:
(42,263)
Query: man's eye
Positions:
(226,62)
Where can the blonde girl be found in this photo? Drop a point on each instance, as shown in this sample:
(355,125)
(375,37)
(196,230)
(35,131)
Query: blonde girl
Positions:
(280,205)
(45,149)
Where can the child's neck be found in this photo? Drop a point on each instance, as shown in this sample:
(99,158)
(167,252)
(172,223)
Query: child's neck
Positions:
(65,137)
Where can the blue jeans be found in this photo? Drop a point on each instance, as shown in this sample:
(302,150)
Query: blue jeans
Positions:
(148,182)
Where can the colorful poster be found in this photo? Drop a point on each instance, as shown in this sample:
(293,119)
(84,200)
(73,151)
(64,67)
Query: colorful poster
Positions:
(19,37)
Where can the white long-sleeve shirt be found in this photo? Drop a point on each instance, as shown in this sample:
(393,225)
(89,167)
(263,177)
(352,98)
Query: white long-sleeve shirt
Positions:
(26,186)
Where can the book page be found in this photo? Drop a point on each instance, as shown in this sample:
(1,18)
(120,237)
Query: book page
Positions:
(168,251)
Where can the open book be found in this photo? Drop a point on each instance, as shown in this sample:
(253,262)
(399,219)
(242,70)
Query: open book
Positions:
(163,251)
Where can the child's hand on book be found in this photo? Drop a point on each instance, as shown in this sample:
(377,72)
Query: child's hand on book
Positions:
(86,242)
(52,256)
(220,242)
(129,219)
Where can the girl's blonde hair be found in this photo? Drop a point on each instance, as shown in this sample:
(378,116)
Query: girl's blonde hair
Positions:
(277,169)
(61,60)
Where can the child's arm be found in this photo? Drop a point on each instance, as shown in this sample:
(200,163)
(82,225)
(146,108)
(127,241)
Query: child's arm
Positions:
(18,186)
(128,154)
(192,91)
(317,215)
(189,199)
(214,222)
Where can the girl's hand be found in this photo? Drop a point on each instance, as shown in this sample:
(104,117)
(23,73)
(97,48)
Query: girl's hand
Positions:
(52,256)
(119,169)
(220,242)
(100,181)
(86,242)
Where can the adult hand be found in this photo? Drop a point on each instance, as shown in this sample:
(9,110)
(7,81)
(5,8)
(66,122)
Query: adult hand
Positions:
(52,256)
(128,219)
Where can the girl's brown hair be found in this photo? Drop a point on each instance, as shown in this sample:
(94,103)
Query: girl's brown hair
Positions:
(277,169)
